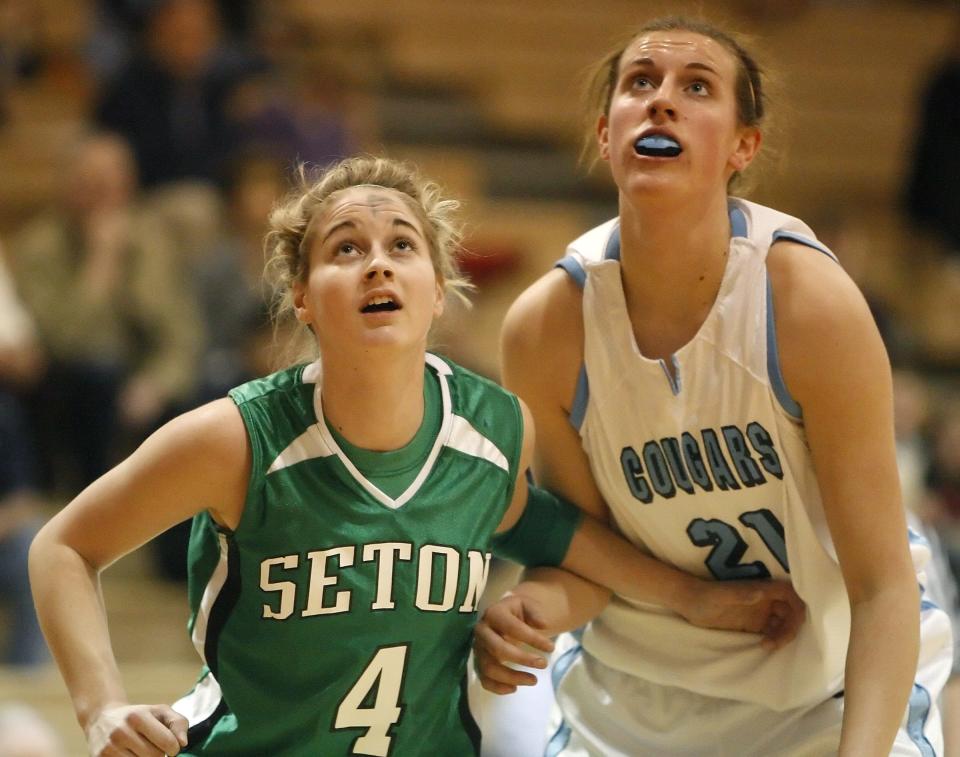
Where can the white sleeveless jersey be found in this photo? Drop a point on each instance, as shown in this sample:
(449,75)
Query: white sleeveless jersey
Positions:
(709,472)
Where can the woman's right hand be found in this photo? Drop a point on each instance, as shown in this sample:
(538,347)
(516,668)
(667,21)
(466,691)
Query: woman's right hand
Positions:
(145,730)
(498,644)
(770,608)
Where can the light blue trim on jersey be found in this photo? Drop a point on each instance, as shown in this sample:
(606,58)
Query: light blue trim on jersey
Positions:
(915,538)
(738,222)
(780,391)
(787,402)
(793,236)
(675,383)
(572,266)
(926,604)
(575,269)
(558,742)
(919,709)
(581,394)
(563,664)
(581,398)
(612,250)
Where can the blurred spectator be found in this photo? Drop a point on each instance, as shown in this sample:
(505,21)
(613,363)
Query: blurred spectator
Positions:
(19,507)
(943,480)
(170,100)
(20,357)
(855,240)
(23,733)
(19,50)
(230,288)
(298,112)
(910,412)
(119,24)
(228,284)
(933,186)
(307,101)
(106,289)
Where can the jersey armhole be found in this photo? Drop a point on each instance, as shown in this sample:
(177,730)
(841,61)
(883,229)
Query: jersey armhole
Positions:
(573,268)
(514,464)
(570,264)
(793,236)
(581,393)
(255,479)
(581,398)
(777,382)
(780,391)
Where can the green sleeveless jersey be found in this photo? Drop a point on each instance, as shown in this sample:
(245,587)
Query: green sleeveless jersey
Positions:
(336,619)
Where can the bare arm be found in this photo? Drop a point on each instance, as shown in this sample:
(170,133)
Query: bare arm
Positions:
(836,367)
(198,461)
(542,355)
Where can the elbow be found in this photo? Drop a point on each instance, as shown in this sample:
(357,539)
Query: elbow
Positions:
(41,556)
(50,556)
(900,585)
(891,602)
(36,556)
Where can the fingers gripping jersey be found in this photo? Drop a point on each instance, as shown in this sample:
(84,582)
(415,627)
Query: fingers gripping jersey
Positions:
(706,466)
(336,620)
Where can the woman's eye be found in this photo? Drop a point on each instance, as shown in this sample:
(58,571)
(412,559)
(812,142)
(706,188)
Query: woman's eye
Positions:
(641,82)
(700,88)
(346,248)
(404,244)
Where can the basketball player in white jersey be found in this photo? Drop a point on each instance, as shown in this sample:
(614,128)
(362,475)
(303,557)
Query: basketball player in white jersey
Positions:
(703,373)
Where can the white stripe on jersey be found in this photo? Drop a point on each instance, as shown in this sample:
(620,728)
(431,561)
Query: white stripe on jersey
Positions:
(210,593)
(201,702)
(466,439)
(308,445)
(455,432)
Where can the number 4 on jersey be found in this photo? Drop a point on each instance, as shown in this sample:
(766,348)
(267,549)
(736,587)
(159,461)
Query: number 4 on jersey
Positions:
(373,702)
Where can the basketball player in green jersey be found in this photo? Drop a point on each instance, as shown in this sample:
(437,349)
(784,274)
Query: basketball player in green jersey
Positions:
(344,513)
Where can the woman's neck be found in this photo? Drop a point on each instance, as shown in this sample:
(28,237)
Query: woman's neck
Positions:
(674,251)
(672,262)
(377,403)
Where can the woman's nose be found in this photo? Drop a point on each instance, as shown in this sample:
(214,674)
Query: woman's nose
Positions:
(662,105)
(378,265)
(663,101)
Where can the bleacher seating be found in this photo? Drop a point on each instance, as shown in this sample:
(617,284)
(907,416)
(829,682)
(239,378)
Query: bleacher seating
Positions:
(485,97)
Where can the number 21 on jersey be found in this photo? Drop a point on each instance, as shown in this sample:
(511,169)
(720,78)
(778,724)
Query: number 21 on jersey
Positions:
(728,546)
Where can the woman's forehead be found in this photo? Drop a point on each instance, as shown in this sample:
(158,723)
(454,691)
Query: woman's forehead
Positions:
(369,200)
(678,45)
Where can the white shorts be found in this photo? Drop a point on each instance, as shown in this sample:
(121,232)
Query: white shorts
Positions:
(607,713)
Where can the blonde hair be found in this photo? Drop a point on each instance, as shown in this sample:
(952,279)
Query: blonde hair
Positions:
(287,244)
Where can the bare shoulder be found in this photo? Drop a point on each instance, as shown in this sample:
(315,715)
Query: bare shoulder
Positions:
(215,428)
(198,461)
(824,325)
(211,445)
(542,338)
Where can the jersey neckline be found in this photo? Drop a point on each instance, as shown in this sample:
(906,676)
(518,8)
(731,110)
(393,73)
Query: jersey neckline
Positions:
(388,467)
(441,370)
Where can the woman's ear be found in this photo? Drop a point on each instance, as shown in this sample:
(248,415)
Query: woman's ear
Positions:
(603,138)
(301,302)
(746,148)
